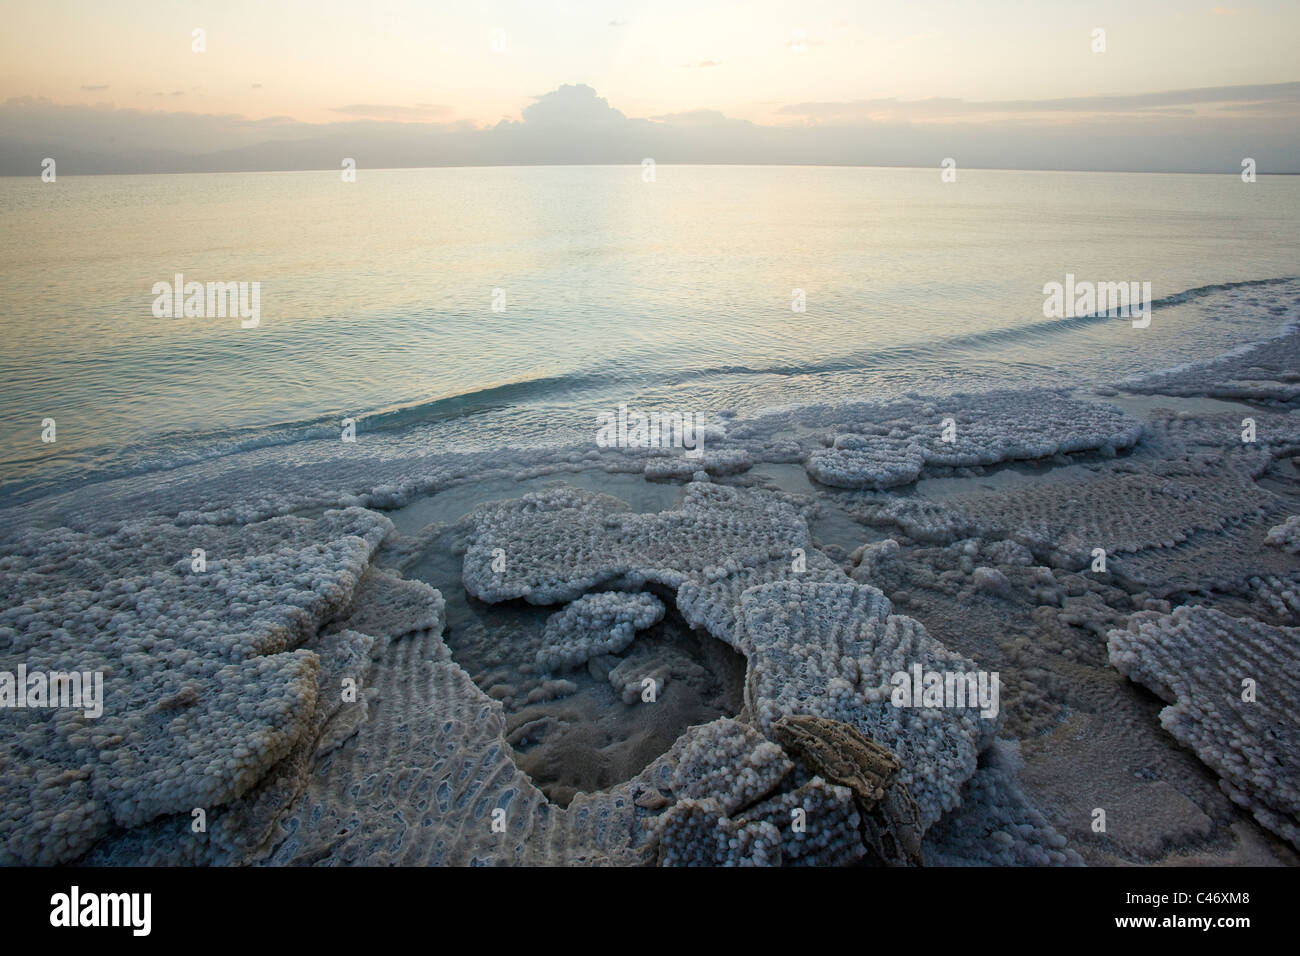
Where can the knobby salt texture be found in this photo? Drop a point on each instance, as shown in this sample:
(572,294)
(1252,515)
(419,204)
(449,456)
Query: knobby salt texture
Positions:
(1233,697)
(206,684)
(596,624)
(897,447)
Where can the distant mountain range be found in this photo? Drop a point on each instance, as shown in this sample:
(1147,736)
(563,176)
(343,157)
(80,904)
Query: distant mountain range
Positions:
(1206,131)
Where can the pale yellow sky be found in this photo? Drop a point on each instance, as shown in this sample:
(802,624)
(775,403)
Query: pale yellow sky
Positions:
(323,61)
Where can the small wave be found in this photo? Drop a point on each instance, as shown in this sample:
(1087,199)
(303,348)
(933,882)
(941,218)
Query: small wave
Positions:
(175,450)
(171,450)
(900,354)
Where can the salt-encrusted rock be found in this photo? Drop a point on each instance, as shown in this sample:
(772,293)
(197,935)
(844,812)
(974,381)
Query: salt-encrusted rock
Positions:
(203,689)
(813,825)
(1286,535)
(596,624)
(389,605)
(843,756)
(871,559)
(1233,694)
(728,461)
(985,429)
(241,830)
(832,650)
(560,544)
(698,833)
(869,461)
(729,762)
(818,824)
(991,581)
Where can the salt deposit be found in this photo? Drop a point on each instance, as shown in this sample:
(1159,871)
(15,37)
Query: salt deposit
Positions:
(596,624)
(1286,535)
(292,677)
(1233,695)
(969,430)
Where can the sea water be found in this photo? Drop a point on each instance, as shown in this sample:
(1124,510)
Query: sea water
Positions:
(484,307)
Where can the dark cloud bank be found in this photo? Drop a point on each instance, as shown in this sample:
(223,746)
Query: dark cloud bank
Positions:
(1206,130)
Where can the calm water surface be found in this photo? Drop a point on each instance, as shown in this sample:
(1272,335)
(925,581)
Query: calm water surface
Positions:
(376,296)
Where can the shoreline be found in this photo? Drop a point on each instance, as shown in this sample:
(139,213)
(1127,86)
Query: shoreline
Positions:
(163,454)
(221,685)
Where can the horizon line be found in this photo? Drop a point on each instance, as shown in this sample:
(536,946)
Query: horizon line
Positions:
(637,163)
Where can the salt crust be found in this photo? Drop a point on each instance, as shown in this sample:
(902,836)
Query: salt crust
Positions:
(985,429)
(223,691)
(595,624)
(1198,658)
(206,682)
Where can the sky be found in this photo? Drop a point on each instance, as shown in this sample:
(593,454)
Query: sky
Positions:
(119,86)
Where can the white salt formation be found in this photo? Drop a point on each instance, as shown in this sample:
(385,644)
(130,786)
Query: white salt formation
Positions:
(204,690)
(727,461)
(1233,695)
(303,692)
(561,544)
(698,833)
(729,762)
(968,431)
(1286,535)
(831,650)
(242,830)
(596,624)
(1150,525)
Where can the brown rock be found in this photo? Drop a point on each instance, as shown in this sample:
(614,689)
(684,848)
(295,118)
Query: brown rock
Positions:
(843,755)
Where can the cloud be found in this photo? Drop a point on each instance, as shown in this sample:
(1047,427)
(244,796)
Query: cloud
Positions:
(572,106)
(700,63)
(1167,131)
(257,86)
(700,118)
(95,128)
(94,88)
(1282,97)
(800,42)
(384,111)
